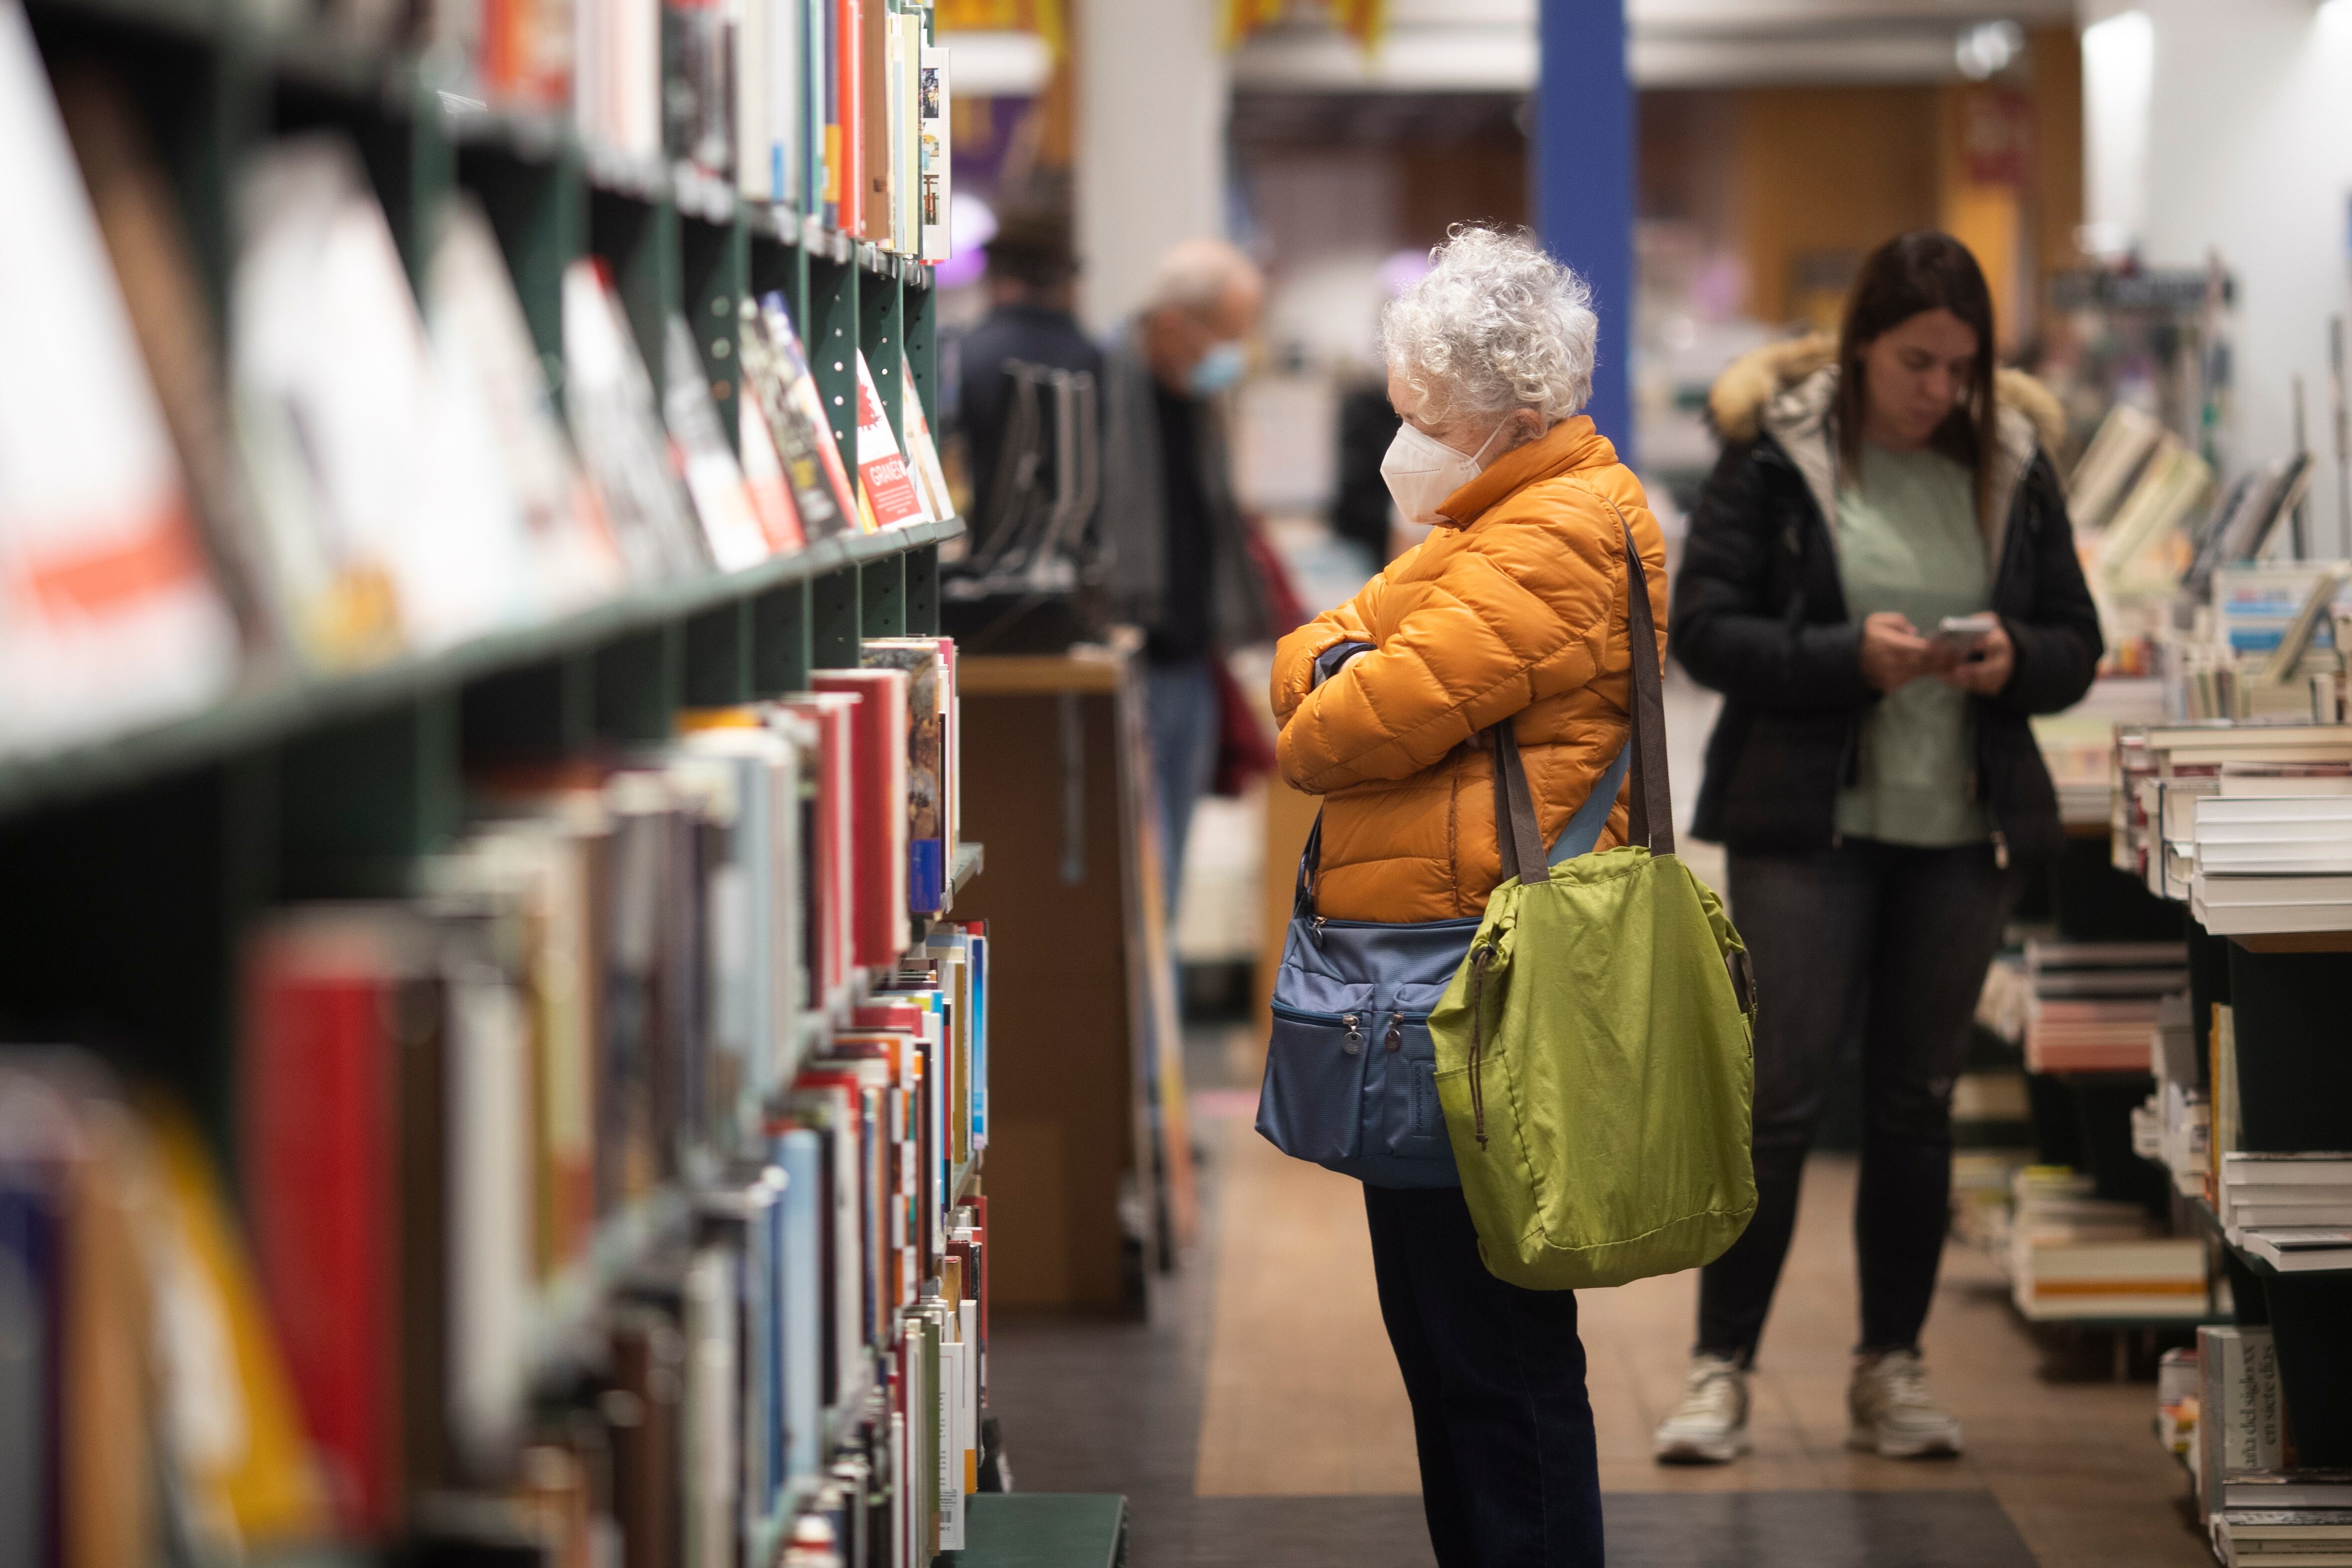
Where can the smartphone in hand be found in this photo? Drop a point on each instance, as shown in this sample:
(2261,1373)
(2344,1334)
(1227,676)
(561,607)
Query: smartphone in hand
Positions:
(1966,634)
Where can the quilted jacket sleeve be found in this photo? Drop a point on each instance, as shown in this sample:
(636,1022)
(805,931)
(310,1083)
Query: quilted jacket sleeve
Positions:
(1519,612)
(1295,655)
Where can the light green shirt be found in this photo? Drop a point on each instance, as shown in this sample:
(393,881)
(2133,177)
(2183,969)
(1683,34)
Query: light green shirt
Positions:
(1908,541)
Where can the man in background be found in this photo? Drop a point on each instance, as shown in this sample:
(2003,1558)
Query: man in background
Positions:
(1179,564)
(1033,272)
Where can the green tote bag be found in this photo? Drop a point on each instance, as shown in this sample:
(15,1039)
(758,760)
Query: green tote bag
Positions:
(1596,1050)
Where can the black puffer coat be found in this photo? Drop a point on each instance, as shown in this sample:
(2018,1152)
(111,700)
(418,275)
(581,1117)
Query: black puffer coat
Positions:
(1760,615)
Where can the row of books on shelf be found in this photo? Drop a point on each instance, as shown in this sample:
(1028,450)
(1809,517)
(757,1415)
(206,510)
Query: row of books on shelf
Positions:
(837,108)
(619,1182)
(2250,824)
(2221,1408)
(385,479)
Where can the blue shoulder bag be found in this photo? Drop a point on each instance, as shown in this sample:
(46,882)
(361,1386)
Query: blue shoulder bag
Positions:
(1351,1071)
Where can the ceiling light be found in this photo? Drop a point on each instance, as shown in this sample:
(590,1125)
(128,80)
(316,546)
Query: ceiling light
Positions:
(1986,50)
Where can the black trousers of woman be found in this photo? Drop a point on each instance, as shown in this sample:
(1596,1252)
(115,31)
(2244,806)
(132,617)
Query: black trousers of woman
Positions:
(1509,1475)
(1892,943)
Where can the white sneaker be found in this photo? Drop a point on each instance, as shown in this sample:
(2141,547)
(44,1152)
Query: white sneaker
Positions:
(1710,1426)
(1894,1415)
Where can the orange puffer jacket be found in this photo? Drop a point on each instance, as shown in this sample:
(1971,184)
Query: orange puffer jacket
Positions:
(1515,606)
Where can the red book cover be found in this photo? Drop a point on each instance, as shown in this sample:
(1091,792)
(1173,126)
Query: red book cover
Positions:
(834,850)
(850,50)
(321,1127)
(877,810)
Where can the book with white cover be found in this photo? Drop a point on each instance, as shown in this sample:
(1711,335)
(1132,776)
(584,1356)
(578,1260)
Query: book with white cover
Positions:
(934,170)
(2311,1168)
(2259,919)
(385,523)
(730,523)
(485,348)
(609,399)
(109,617)
(2299,1249)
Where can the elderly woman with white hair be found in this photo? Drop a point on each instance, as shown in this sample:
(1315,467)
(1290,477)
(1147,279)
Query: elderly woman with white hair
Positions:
(1514,608)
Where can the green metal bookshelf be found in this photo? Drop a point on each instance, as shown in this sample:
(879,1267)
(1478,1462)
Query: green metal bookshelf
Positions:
(137,858)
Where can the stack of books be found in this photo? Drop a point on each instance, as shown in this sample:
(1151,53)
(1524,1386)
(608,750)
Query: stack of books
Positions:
(2075,1255)
(2163,772)
(2094,1003)
(2258,1509)
(2273,863)
(618,1182)
(2293,1211)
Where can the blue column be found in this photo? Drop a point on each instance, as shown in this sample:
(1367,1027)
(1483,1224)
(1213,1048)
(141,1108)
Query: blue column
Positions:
(1582,166)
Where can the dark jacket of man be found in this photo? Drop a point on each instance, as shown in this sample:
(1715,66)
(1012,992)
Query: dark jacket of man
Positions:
(1136,509)
(1760,615)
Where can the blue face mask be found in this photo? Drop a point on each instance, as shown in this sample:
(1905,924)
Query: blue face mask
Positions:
(1218,368)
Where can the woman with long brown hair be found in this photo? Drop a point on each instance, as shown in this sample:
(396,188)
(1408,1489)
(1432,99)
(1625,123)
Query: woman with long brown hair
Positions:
(1881,579)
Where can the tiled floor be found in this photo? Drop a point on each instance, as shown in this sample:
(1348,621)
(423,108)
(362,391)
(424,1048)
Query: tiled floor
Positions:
(1259,1419)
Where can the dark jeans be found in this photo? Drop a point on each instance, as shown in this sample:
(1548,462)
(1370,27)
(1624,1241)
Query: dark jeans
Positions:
(1890,944)
(1509,1475)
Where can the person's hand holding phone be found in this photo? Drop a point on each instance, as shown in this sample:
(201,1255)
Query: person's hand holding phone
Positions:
(1894,653)
(1986,665)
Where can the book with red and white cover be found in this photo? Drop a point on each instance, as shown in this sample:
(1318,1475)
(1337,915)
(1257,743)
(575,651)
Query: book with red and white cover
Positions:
(922,450)
(888,490)
(109,616)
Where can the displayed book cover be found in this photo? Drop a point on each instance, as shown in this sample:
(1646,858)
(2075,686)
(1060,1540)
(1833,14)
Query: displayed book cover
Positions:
(376,475)
(700,453)
(885,486)
(779,371)
(109,615)
(617,427)
(138,218)
(765,476)
(484,347)
(936,173)
(906,132)
(922,450)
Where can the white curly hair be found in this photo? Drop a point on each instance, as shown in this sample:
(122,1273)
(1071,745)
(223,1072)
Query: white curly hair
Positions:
(1494,325)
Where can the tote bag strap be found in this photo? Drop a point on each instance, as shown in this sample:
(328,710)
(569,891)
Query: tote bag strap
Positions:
(1651,814)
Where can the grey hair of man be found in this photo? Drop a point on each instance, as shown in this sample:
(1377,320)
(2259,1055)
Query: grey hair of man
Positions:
(1495,326)
(1197,275)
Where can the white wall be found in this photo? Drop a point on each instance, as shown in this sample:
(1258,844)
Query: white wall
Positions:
(1152,97)
(2248,139)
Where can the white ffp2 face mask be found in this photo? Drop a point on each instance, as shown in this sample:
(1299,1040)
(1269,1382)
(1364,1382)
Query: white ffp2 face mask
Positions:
(1422,471)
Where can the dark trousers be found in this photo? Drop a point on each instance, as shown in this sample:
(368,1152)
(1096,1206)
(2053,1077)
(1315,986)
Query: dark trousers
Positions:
(1890,944)
(1509,1476)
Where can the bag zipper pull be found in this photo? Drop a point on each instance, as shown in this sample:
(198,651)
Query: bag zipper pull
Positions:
(1355,1040)
(1395,1040)
(1315,930)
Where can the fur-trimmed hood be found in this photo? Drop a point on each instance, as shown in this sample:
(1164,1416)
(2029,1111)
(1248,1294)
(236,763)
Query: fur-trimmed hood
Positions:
(1735,404)
(1786,390)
